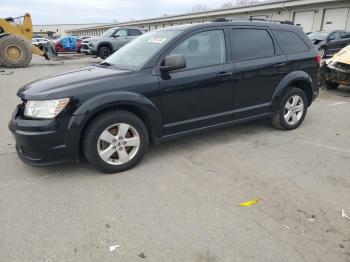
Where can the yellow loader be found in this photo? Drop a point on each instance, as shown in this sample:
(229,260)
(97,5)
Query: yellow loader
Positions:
(16,48)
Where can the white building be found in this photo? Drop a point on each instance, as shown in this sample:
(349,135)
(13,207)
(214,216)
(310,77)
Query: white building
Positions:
(312,15)
(61,29)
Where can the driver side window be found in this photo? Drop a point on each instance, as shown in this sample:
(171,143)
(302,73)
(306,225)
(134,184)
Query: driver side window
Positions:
(121,33)
(203,49)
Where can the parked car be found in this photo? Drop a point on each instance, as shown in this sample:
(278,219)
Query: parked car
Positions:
(165,84)
(110,41)
(330,42)
(336,71)
(68,44)
(39,41)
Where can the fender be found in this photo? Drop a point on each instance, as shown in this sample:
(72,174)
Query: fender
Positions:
(286,82)
(103,43)
(143,106)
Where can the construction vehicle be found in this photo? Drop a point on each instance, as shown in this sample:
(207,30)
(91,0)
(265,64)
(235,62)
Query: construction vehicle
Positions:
(16,48)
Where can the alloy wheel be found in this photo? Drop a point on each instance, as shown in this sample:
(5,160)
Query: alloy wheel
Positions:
(293,110)
(118,144)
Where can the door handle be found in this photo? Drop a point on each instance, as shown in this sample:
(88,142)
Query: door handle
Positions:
(280,64)
(223,74)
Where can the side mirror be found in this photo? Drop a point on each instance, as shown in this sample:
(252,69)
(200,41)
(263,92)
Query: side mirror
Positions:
(173,62)
(116,36)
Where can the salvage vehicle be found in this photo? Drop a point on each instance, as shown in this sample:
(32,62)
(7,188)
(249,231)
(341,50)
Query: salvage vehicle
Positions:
(330,42)
(336,71)
(110,41)
(167,83)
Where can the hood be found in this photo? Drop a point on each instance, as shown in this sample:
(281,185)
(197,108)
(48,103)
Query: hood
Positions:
(62,85)
(343,56)
(90,40)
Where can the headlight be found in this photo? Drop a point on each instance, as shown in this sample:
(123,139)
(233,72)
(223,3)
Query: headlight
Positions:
(91,44)
(45,109)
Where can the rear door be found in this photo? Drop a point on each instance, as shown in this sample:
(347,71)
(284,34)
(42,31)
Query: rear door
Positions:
(133,33)
(259,68)
(299,51)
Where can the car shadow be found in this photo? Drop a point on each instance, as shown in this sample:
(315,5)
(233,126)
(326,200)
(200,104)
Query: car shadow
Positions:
(343,91)
(181,145)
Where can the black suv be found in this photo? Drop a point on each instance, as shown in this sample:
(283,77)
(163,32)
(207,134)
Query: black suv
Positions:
(164,84)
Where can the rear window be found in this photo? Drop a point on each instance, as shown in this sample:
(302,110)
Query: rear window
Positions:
(290,42)
(134,32)
(251,43)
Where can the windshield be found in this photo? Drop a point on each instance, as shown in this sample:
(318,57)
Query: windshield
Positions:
(138,52)
(318,35)
(109,32)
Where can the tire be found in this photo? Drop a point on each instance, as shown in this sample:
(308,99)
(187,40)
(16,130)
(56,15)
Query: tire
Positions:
(15,51)
(110,157)
(296,100)
(322,52)
(104,51)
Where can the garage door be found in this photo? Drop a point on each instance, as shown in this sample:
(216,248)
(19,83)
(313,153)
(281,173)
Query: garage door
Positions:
(305,20)
(335,19)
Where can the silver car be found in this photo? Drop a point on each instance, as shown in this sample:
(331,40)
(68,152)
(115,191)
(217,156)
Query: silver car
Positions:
(110,41)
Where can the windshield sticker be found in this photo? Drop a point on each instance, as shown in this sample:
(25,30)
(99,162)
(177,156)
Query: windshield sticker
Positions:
(157,40)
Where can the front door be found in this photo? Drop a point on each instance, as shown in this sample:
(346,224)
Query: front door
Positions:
(120,38)
(201,94)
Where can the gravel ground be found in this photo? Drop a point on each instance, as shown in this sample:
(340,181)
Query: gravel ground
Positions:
(182,202)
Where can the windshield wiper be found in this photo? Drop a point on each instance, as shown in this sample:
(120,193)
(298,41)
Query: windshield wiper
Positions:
(105,64)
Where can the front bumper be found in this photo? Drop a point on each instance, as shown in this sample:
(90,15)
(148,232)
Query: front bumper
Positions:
(336,73)
(86,49)
(45,142)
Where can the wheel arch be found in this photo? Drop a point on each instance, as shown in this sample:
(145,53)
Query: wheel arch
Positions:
(103,44)
(127,101)
(297,79)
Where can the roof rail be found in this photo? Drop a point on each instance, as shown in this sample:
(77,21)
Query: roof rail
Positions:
(252,19)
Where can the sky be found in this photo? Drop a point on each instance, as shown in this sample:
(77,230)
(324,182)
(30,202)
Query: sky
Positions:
(94,11)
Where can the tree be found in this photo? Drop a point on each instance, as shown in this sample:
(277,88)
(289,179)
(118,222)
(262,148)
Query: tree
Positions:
(199,8)
(231,4)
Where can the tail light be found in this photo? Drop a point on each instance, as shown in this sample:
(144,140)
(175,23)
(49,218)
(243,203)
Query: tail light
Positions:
(318,59)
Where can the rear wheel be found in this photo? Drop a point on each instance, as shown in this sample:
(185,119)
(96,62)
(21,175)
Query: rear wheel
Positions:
(291,111)
(15,51)
(115,141)
(104,52)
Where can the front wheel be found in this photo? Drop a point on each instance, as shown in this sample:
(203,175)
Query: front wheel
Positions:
(104,52)
(115,141)
(291,111)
